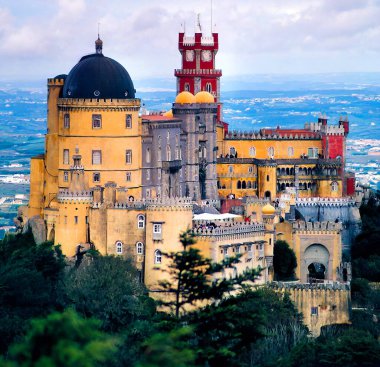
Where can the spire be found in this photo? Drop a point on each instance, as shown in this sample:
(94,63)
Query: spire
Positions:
(99,43)
(198,28)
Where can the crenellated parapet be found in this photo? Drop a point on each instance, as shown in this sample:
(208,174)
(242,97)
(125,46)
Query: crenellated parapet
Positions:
(66,196)
(326,202)
(328,285)
(245,229)
(323,227)
(260,135)
(68,104)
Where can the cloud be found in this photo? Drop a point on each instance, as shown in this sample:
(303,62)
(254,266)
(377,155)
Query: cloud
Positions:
(255,36)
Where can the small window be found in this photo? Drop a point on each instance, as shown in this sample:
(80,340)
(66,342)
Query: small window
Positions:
(252,152)
(96,177)
(76,219)
(209,87)
(148,175)
(147,157)
(65,219)
(66,156)
(96,121)
(159,154)
(290,151)
(139,248)
(128,121)
(128,156)
(177,153)
(268,178)
(314,311)
(233,151)
(230,169)
(187,87)
(119,247)
(128,176)
(96,157)
(65,176)
(66,121)
(140,221)
(250,169)
(225,252)
(159,173)
(157,257)
(334,186)
(168,153)
(147,193)
(271,152)
(157,227)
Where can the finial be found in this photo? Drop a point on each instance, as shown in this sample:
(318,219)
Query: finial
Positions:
(198,27)
(76,149)
(99,43)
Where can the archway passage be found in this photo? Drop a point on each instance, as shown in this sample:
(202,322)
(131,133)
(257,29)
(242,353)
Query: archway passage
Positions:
(52,235)
(316,271)
(316,262)
(267,194)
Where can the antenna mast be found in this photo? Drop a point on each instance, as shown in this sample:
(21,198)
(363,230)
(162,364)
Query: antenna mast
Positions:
(211,18)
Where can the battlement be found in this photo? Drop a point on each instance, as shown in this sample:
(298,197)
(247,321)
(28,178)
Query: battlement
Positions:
(327,129)
(234,229)
(333,202)
(328,285)
(98,102)
(56,81)
(197,72)
(65,195)
(255,200)
(317,226)
(259,135)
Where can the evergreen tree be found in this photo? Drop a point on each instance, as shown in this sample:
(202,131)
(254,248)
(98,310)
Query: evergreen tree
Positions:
(284,261)
(191,276)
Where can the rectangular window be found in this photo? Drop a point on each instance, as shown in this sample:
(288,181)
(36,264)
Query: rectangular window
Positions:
(65,176)
(157,227)
(128,121)
(66,156)
(128,156)
(128,176)
(66,121)
(314,311)
(250,169)
(96,157)
(147,193)
(96,121)
(87,219)
(65,219)
(76,219)
(96,177)
(225,251)
(159,174)
(148,175)
(312,152)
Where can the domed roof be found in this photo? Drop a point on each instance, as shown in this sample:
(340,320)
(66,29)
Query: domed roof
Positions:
(98,76)
(204,97)
(268,209)
(185,97)
(168,113)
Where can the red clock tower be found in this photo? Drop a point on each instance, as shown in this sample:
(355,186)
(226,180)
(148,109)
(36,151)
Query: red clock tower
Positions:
(198,71)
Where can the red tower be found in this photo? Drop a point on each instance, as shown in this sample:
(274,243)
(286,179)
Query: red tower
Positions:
(198,71)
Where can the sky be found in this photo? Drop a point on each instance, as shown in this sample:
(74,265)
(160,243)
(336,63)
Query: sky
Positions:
(43,38)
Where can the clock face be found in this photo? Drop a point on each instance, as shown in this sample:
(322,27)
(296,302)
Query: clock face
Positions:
(206,55)
(189,55)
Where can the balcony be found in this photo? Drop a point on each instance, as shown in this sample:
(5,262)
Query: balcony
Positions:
(198,72)
(172,165)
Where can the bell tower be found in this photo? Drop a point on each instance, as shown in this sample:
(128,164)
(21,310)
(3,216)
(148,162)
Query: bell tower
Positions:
(198,71)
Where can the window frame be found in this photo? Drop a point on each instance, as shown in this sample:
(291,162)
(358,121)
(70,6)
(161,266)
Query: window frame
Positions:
(94,175)
(96,121)
(128,121)
(157,256)
(157,228)
(96,151)
(119,247)
(128,176)
(66,156)
(65,176)
(141,221)
(66,121)
(128,156)
(139,248)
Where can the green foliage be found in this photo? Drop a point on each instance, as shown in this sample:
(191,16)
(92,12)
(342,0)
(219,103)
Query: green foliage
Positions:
(30,283)
(63,340)
(108,288)
(284,261)
(354,348)
(168,349)
(360,291)
(191,276)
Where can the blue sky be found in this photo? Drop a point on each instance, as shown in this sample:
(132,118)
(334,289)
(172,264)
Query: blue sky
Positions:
(43,38)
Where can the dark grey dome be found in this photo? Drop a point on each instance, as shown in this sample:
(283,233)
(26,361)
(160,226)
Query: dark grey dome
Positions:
(97,76)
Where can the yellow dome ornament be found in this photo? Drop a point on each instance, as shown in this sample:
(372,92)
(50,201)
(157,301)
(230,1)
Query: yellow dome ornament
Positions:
(168,113)
(204,97)
(268,209)
(184,98)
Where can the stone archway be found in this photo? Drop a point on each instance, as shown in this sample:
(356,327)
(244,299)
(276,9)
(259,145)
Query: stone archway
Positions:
(51,235)
(316,260)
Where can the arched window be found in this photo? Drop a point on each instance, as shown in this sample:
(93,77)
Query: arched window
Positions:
(147,155)
(230,169)
(157,257)
(208,87)
(239,184)
(159,154)
(139,248)
(119,247)
(252,152)
(271,152)
(187,87)
(290,151)
(243,185)
(140,221)
(177,153)
(168,153)
(232,151)
(334,186)
(249,184)
(267,178)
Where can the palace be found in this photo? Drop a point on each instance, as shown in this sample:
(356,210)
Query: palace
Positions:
(128,184)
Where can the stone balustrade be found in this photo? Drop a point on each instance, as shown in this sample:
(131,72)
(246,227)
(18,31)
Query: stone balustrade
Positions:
(237,228)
